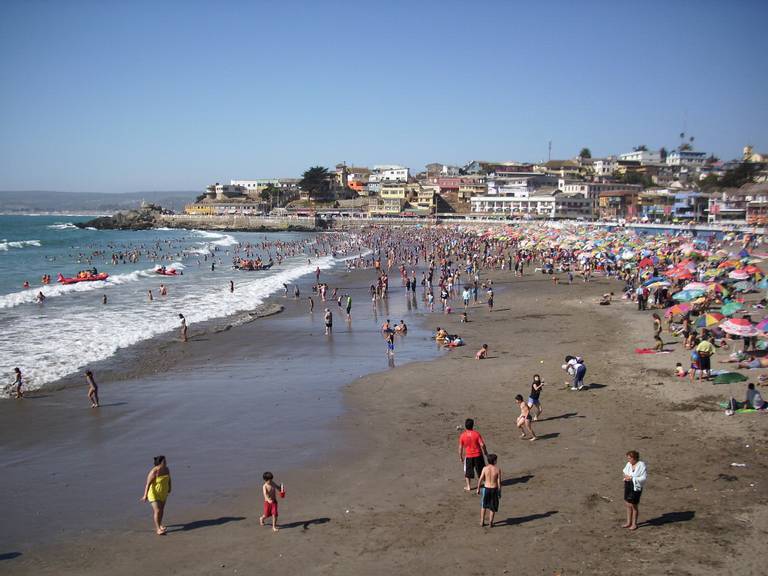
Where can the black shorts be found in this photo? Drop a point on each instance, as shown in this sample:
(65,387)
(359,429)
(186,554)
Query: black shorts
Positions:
(472,465)
(490,499)
(630,494)
(704,362)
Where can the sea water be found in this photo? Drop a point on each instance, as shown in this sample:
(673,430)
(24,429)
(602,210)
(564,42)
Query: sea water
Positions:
(72,328)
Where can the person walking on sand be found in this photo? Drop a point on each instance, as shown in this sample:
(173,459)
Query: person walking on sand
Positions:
(524,421)
(183,328)
(311,304)
(269,491)
(328,322)
(534,399)
(18,383)
(93,389)
(705,349)
(635,475)
(471,450)
(490,479)
(156,491)
(657,327)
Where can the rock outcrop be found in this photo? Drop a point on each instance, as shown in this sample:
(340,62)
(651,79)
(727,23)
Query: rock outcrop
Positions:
(144,218)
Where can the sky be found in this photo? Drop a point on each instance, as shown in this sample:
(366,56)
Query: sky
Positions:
(173,95)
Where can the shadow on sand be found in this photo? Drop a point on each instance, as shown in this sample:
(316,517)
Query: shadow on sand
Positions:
(524,519)
(305,524)
(669,518)
(561,417)
(518,480)
(9,555)
(204,523)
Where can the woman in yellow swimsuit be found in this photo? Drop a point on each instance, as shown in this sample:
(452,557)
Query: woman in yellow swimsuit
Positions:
(156,490)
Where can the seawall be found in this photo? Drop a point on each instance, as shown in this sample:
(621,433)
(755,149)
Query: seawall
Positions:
(239,222)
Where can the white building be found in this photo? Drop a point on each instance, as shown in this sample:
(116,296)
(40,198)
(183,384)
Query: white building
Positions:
(388,173)
(605,166)
(518,185)
(542,205)
(686,158)
(642,156)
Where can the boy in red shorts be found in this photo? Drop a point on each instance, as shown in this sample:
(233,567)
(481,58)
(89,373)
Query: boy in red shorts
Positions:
(269,489)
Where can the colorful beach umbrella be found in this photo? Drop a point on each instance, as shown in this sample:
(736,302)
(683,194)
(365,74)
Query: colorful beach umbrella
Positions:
(731,308)
(738,275)
(677,310)
(743,286)
(709,319)
(763,284)
(695,286)
(739,327)
(686,295)
(762,325)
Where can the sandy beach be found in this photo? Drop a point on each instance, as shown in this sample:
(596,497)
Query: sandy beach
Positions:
(387,497)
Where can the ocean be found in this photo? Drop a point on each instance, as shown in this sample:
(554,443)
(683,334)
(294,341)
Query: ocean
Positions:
(72,328)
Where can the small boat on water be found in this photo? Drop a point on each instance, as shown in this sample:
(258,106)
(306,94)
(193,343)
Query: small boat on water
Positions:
(82,277)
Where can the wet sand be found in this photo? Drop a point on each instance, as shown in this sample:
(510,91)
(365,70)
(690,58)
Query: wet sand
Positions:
(226,404)
(390,500)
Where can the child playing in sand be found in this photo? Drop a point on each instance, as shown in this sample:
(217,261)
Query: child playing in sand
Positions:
(524,420)
(269,490)
(482,354)
(464,318)
(680,372)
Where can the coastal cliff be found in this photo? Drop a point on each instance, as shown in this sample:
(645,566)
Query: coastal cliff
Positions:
(148,217)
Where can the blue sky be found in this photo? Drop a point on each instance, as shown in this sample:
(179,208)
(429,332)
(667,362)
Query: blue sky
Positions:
(122,96)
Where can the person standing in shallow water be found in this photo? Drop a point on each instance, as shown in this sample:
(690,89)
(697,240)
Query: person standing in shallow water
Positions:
(93,389)
(183,328)
(635,475)
(18,382)
(156,491)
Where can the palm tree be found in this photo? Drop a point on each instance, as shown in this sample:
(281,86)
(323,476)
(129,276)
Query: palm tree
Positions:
(315,181)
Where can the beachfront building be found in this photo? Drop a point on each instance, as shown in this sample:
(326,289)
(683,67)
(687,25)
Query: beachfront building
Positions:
(352,177)
(739,205)
(221,192)
(655,204)
(618,205)
(560,168)
(592,190)
(550,203)
(392,199)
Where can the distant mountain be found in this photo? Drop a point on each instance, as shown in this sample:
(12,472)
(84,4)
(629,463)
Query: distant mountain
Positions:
(73,202)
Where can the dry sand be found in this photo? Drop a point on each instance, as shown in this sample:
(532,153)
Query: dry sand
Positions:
(390,500)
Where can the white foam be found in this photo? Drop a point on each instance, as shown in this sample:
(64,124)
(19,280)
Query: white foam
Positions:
(217,238)
(5,245)
(62,226)
(48,347)
(29,295)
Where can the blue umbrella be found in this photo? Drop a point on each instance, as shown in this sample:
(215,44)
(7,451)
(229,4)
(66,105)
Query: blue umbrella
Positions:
(686,295)
(655,279)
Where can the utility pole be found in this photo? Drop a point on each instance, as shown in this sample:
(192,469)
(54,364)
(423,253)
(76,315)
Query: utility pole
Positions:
(549,151)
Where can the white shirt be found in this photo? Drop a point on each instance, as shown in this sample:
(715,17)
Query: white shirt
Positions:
(638,475)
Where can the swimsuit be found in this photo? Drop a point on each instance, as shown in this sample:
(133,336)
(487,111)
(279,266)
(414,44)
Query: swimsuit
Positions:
(490,499)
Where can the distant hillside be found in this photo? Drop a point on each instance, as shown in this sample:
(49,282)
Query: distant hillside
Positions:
(73,202)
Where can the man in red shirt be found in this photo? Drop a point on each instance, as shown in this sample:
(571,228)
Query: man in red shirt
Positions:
(471,450)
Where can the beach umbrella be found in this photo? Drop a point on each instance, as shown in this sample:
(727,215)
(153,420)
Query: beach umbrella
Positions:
(677,310)
(738,275)
(709,319)
(686,295)
(743,286)
(729,378)
(654,280)
(739,327)
(731,308)
(762,325)
(645,263)
(763,284)
(695,286)
(728,264)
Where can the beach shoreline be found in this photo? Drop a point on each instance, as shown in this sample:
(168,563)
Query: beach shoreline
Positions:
(360,511)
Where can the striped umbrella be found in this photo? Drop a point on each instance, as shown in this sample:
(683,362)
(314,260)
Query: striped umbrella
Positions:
(738,275)
(739,327)
(709,319)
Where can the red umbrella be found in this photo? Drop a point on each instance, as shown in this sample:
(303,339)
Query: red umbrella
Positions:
(645,263)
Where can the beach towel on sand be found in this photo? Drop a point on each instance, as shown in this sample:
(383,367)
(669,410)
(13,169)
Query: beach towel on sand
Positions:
(651,351)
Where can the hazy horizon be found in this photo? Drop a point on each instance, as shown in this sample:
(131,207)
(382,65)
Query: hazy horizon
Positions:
(124,97)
